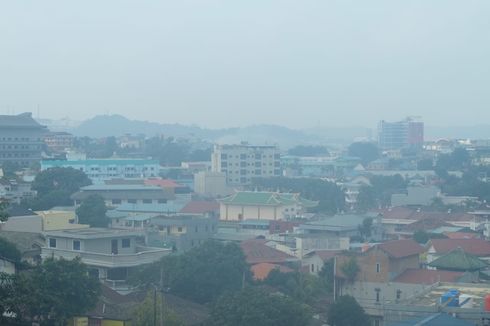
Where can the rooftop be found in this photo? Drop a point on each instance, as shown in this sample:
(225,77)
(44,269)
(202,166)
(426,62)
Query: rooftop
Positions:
(427,276)
(266,199)
(401,248)
(458,260)
(92,233)
(475,247)
(59,163)
(261,271)
(23,120)
(200,207)
(257,251)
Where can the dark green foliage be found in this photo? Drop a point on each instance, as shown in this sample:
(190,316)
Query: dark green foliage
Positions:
(459,159)
(172,152)
(366,199)
(366,227)
(425,164)
(143,314)
(331,198)
(421,236)
(301,287)
(9,250)
(201,274)
(326,275)
(9,169)
(92,211)
(385,186)
(3,211)
(347,312)
(255,307)
(367,152)
(52,292)
(302,150)
(55,186)
(350,269)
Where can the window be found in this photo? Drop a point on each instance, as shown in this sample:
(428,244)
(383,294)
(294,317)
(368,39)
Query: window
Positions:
(116,201)
(147,201)
(162,201)
(398,294)
(52,243)
(179,229)
(126,243)
(377,294)
(312,268)
(196,229)
(76,244)
(132,201)
(378,267)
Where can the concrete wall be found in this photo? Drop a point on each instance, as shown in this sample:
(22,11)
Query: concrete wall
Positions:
(31,223)
(232,212)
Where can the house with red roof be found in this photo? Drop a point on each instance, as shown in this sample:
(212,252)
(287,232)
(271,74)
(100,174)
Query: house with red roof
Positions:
(260,252)
(475,247)
(314,261)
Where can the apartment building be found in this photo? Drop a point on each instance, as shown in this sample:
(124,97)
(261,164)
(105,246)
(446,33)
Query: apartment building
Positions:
(408,133)
(241,163)
(21,139)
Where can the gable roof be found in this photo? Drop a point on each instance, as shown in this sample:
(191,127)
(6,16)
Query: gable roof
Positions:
(401,248)
(257,251)
(477,247)
(261,271)
(458,260)
(324,255)
(200,207)
(427,276)
(462,235)
(263,198)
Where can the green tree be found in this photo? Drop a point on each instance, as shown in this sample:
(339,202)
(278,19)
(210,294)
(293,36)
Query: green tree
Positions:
(144,313)
(301,287)
(9,250)
(347,312)
(421,236)
(201,274)
(255,307)
(54,291)
(367,152)
(425,164)
(55,186)
(4,215)
(366,199)
(93,211)
(365,229)
(326,275)
(350,269)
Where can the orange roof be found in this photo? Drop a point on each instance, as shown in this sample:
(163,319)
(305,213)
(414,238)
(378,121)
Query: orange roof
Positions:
(163,183)
(257,251)
(200,207)
(262,270)
(462,235)
(426,276)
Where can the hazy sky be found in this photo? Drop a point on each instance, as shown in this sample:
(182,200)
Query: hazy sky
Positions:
(230,63)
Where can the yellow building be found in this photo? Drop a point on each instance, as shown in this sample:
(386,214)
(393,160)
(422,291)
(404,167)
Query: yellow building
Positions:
(59,220)
(245,205)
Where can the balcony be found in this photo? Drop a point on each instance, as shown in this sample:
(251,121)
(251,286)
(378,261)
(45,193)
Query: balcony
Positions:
(144,255)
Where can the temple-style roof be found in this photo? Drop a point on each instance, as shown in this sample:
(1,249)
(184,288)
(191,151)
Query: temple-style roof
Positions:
(458,260)
(262,198)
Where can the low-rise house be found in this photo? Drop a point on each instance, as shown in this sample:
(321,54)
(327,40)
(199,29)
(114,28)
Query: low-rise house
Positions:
(263,205)
(109,253)
(315,260)
(459,260)
(124,194)
(180,232)
(260,271)
(439,247)
(343,225)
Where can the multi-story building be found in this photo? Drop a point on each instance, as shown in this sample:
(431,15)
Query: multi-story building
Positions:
(108,253)
(105,169)
(242,163)
(408,133)
(59,141)
(20,139)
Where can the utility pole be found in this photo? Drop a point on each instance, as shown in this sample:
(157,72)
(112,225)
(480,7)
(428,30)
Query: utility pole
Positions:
(155,306)
(161,289)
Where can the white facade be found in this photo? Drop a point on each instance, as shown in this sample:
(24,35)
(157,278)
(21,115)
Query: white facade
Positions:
(242,163)
(212,184)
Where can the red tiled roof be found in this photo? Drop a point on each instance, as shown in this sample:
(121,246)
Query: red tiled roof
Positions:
(163,183)
(200,207)
(475,247)
(256,251)
(462,235)
(261,271)
(426,276)
(401,248)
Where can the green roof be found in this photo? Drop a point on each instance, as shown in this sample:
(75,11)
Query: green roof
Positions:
(266,199)
(458,260)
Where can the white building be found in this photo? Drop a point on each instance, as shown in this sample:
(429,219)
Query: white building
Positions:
(211,184)
(243,162)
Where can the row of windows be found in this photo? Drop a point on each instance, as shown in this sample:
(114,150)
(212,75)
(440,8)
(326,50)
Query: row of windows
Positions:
(125,243)
(14,155)
(245,164)
(19,139)
(256,172)
(245,156)
(135,201)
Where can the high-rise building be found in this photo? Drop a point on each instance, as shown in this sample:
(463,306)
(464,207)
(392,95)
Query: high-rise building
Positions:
(243,162)
(408,133)
(21,139)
